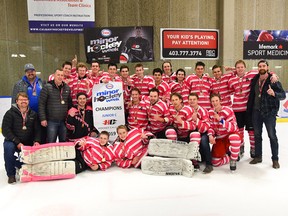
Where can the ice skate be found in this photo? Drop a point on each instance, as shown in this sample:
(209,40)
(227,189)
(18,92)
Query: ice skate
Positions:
(47,171)
(174,149)
(47,152)
(167,166)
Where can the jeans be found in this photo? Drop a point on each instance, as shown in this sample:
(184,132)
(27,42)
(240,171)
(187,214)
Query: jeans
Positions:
(54,129)
(205,149)
(270,124)
(10,159)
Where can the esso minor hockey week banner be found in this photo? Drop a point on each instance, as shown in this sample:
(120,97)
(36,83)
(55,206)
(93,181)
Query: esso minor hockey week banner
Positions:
(108,107)
(119,44)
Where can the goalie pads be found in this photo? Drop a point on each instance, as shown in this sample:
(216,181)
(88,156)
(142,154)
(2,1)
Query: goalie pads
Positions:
(174,149)
(167,166)
(47,171)
(47,152)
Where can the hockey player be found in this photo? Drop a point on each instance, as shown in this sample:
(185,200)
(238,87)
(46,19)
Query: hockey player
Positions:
(96,152)
(130,147)
(223,134)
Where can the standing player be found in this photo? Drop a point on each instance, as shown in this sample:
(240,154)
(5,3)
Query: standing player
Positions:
(180,86)
(200,84)
(140,80)
(137,111)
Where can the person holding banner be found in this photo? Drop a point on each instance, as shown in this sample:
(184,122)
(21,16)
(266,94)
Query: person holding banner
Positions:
(96,152)
(81,83)
(158,114)
(79,121)
(137,111)
(140,80)
(131,146)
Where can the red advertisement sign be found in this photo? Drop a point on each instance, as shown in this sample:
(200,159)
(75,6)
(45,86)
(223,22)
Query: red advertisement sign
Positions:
(189,43)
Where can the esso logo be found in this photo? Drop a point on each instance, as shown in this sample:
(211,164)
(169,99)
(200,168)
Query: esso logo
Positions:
(105,32)
(109,86)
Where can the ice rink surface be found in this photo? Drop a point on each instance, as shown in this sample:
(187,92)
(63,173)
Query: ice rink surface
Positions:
(251,190)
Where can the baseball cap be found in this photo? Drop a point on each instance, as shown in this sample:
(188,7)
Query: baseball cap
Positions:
(263,61)
(29,66)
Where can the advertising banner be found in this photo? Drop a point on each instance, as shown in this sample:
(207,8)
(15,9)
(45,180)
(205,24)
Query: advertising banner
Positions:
(119,44)
(283,110)
(108,107)
(189,43)
(265,44)
(60,16)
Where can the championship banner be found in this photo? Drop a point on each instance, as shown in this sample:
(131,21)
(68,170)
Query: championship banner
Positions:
(189,43)
(283,110)
(108,107)
(60,16)
(119,44)
(265,44)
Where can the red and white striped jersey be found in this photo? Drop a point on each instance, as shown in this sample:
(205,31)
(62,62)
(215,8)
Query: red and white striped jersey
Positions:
(106,76)
(138,117)
(164,90)
(240,87)
(127,86)
(221,87)
(168,78)
(142,84)
(181,88)
(229,125)
(203,121)
(201,86)
(82,85)
(187,126)
(93,153)
(131,147)
(160,108)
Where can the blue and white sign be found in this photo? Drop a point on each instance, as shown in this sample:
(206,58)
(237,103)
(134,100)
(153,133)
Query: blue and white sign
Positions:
(60,16)
(108,107)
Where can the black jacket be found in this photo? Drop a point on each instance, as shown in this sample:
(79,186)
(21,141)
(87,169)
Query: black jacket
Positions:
(12,127)
(50,106)
(269,104)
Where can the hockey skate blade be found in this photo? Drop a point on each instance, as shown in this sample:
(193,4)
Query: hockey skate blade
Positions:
(47,152)
(173,149)
(167,166)
(47,171)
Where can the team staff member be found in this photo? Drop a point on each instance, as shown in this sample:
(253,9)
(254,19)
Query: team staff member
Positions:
(264,104)
(54,102)
(20,127)
(30,84)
